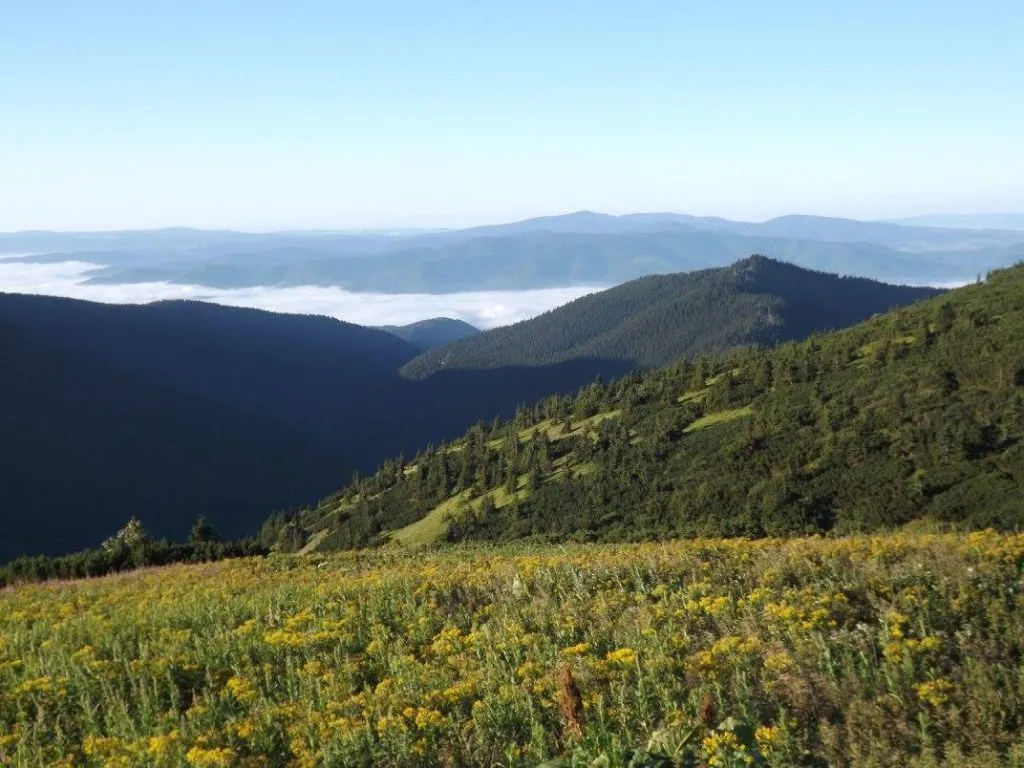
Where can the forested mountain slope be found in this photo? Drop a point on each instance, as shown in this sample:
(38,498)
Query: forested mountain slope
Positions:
(655,320)
(915,414)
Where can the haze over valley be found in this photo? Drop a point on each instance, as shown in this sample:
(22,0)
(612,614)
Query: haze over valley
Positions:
(482,309)
(486,276)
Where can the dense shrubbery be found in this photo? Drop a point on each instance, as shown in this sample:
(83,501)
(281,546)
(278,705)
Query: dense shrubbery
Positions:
(130,548)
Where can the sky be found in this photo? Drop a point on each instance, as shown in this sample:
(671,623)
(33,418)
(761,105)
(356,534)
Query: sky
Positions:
(289,115)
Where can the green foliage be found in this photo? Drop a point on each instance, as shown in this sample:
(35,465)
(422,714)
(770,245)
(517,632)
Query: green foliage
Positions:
(128,549)
(915,414)
(202,531)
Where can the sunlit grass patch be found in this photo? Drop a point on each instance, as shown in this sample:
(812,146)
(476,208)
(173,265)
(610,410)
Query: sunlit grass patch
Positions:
(720,417)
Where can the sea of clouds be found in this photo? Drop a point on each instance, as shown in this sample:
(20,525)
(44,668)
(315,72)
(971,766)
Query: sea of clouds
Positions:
(483,309)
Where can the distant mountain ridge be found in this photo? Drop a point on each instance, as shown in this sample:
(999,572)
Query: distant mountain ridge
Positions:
(556,259)
(792,226)
(433,332)
(582,248)
(655,320)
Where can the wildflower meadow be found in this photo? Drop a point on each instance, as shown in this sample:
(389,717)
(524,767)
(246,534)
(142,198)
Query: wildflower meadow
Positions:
(899,650)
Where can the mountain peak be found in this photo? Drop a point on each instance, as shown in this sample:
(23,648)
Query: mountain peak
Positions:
(757,265)
(755,261)
(432,332)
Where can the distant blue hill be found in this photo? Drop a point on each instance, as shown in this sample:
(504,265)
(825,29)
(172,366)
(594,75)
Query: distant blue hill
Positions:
(433,332)
(581,248)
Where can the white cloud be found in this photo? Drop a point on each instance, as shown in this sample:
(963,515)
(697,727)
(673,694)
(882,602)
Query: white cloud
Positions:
(484,309)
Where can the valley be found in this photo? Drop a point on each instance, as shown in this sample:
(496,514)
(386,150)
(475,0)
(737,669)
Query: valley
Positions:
(347,397)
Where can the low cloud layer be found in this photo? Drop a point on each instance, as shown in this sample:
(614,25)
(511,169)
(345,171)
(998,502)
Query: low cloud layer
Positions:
(484,309)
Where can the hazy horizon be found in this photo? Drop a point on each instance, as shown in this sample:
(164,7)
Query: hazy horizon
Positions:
(400,228)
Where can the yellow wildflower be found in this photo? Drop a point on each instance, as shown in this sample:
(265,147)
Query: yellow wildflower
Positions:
(580,649)
(935,693)
(622,657)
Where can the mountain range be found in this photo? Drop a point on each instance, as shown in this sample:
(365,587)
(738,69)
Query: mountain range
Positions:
(174,410)
(583,248)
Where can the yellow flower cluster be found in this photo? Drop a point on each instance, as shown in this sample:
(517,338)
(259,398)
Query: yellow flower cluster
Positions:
(724,750)
(934,693)
(621,657)
(217,757)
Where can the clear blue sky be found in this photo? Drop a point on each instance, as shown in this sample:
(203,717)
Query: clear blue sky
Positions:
(336,114)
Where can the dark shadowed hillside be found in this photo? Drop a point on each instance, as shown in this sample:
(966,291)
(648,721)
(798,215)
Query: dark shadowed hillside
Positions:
(655,320)
(312,372)
(84,446)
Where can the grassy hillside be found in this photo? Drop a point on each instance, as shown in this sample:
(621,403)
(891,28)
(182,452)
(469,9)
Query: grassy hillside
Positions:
(891,652)
(656,320)
(918,413)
